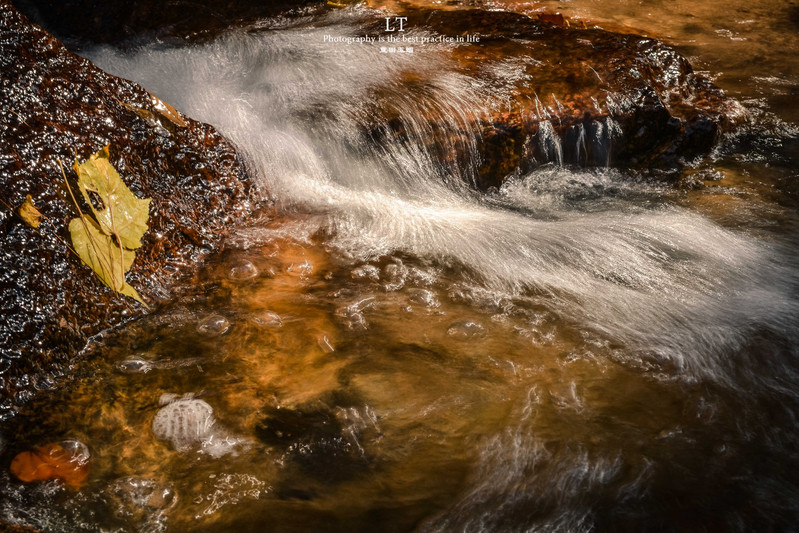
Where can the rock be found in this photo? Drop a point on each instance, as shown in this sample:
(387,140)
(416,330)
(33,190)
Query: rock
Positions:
(55,105)
(566,95)
(314,439)
(189,424)
(117,22)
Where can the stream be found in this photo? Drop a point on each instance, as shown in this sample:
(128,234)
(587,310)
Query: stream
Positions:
(581,349)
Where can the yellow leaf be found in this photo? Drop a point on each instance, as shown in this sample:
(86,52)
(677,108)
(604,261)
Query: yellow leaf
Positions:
(28,212)
(121,213)
(103,255)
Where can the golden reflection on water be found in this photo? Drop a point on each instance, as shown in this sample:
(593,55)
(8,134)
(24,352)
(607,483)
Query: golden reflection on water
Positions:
(417,375)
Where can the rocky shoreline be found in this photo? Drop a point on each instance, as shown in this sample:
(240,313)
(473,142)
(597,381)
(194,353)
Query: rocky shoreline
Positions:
(59,106)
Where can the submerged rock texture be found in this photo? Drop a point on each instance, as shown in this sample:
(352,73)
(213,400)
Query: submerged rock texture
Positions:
(55,105)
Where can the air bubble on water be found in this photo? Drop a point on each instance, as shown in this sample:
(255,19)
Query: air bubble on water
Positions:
(352,315)
(78,452)
(366,272)
(302,270)
(268,319)
(466,330)
(134,365)
(542,336)
(243,270)
(419,277)
(229,489)
(213,326)
(142,502)
(189,423)
(394,275)
(131,494)
(423,297)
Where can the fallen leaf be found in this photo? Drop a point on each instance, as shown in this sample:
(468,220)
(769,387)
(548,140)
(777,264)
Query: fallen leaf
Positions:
(51,461)
(28,212)
(147,116)
(122,213)
(167,111)
(103,255)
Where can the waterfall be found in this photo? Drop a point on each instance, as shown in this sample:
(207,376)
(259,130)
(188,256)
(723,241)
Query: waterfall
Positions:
(381,148)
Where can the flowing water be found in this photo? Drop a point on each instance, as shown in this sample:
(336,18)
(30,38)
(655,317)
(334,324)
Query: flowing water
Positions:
(583,349)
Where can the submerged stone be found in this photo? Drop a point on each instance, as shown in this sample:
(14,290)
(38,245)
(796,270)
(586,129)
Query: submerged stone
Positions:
(185,422)
(314,439)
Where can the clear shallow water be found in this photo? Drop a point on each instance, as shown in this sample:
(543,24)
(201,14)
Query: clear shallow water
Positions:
(581,350)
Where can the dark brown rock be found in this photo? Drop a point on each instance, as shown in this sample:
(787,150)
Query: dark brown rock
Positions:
(54,105)
(576,95)
(118,22)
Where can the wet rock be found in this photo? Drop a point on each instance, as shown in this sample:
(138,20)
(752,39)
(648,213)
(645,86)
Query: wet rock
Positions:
(118,22)
(567,95)
(55,105)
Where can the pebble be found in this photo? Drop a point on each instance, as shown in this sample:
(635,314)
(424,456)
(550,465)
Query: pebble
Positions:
(185,422)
